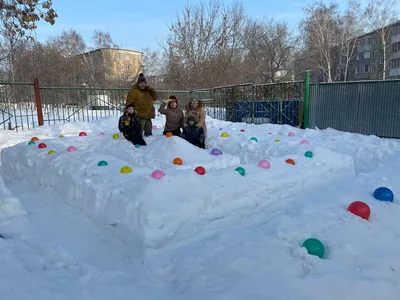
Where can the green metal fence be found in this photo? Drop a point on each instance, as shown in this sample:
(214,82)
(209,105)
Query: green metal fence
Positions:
(86,104)
(365,107)
(18,104)
(277,103)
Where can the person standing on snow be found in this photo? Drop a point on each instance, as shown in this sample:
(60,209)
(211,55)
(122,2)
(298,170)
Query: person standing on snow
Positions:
(142,96)
(129,125)
(173,114)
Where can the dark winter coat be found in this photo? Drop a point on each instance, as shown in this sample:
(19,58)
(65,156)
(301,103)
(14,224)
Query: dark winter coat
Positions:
(129,126)
(200,112)
(193,134)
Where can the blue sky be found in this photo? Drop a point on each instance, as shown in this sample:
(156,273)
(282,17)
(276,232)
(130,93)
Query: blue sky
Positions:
(139,24)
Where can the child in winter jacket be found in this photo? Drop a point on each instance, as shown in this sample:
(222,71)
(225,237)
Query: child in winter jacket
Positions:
(129,126)
(191,132)
(173,114)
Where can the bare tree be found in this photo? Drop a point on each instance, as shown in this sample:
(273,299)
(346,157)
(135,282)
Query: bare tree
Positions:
(203,44)
(45,61)
(153,62)
(103,40)
(70,42)
(381,15)
(269,46)
(18,19)
(320,32)
(351,25)
(95,61)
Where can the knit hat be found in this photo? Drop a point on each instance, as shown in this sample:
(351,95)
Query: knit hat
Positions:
(172,97)
(193,118)
(129,105)
(141,78)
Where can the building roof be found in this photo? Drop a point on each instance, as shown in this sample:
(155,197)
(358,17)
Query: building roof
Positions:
(376,30)
(112,49)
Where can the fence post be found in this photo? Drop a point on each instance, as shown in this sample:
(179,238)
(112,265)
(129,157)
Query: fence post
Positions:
(38,102)
(306,117)
(253,96)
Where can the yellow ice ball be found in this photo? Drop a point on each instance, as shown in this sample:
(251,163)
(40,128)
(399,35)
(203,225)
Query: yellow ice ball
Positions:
(125,169)
(224,134)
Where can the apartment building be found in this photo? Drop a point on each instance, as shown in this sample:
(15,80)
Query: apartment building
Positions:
(113,64)
(368,61)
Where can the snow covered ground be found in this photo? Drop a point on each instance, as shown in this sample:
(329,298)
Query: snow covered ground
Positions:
(75,230)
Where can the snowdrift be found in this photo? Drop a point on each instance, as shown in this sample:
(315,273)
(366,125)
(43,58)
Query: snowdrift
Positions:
(188,207)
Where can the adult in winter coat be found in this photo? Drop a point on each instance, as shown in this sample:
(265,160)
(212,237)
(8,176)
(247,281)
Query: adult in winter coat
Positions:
(129,126)
(192,133)
(173,114)
(196,107)
(142,97)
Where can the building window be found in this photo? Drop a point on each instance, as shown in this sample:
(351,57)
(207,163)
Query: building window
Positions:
(363,69)
(373,54)
(126,57)
(394,63)
(395,31)
(119,67)
(360,69)
(118,56)
(373,69)
(127,67)
(365,41)
(380,75)
(395,47)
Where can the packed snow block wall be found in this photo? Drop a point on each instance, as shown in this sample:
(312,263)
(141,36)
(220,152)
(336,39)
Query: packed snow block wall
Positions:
(159,154)
(182,204)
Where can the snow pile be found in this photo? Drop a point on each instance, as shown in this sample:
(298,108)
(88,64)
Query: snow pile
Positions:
(159,153)
(10,207)
(265,260)
(273,140)
(186,236)
(180,205)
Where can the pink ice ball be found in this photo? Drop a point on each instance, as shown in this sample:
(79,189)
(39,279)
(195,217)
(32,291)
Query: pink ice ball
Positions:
(71,149)
(157,174)
(303,142)
(264,164)
(291,134)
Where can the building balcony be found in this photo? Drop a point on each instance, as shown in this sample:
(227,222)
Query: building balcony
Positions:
(394,72)
(395,38)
